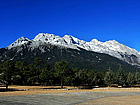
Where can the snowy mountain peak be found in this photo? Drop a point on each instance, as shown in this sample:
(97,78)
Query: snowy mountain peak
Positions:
(111,47)
(112,42)
(22,38)
(45,37)
(19,42)
(68,36)
(94,40)
(69,39)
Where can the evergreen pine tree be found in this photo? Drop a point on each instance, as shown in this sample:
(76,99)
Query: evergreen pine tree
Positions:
(61,69)
(130,79)
(121,77)
(109,79)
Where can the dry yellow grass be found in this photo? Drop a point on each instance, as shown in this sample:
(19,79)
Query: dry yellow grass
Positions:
(29,90)
(123,100)
(38,87)
(39,90)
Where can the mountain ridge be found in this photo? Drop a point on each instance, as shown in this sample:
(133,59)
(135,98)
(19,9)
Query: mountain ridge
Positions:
(111,47)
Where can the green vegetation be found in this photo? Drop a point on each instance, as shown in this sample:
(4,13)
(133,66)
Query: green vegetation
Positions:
(61,69)
(42,73)
(109,77)
(80,59)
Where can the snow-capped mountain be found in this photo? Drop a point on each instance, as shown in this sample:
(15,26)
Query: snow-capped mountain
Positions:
(19,42)
(110,47)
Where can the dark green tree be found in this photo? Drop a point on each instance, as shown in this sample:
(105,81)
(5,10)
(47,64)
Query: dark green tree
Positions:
(22,72)
(130,79)
(137,78)
(92,78)
(109,77)
(75,77)
(32,75)
(38,62)
(100,76)
(81,77)
(7,72)
(121,77)
(38,65)
(61,69)
(69,79)
(46,75)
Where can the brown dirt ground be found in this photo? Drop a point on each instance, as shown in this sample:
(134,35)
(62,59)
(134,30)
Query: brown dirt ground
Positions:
(29,90)
(123,100)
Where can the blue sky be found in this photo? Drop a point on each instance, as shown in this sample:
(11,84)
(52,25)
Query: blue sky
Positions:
(84,19)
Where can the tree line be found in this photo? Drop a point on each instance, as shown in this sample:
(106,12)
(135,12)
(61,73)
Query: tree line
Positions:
(41,73)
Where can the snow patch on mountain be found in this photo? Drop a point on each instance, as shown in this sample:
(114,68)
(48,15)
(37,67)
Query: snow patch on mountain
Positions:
(55,40)
(110,47)
(19,42)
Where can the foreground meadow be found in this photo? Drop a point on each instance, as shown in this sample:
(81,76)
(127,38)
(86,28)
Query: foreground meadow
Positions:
(50,95)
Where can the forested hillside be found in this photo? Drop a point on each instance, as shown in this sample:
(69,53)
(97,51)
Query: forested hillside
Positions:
(41,73)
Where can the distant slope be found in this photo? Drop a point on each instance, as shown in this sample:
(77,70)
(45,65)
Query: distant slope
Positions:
(81,58)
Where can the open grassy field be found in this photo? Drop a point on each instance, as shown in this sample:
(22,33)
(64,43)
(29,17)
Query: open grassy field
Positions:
(30,90)
(118,100)
(51,95)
